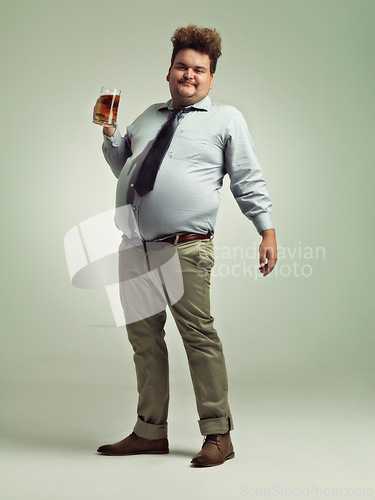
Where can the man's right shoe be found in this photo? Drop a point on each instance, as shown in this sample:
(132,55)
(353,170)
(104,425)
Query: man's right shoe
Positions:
(135,445)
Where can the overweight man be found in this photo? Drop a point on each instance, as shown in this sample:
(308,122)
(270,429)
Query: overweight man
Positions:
(170,166)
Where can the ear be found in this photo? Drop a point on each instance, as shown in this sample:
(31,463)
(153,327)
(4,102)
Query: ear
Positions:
(169,72)
(212,76)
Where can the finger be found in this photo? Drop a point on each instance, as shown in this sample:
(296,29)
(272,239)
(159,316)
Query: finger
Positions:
(269,267)
(263,269)
(262,256)
(96,106)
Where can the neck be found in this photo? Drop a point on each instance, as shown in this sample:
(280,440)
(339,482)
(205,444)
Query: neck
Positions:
(178,105)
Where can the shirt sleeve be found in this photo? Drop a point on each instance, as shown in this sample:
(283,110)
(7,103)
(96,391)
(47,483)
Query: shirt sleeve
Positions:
(246,178)
(116,150)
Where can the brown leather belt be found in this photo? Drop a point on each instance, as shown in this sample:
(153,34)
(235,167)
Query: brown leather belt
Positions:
(184,237)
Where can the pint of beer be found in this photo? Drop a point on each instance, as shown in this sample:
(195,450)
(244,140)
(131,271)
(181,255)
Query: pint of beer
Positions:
(105,112)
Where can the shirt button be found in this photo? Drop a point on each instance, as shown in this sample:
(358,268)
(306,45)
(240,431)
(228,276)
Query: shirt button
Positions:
(134,208)
(131,185)
(170,154)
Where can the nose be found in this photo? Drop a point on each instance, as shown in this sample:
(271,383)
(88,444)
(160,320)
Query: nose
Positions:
(188,74)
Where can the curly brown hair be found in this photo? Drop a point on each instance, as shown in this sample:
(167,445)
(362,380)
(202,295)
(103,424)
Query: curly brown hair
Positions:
(204,40)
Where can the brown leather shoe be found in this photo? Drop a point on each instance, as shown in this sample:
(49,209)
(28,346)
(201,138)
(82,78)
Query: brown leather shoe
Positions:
(216,449)
(135,445)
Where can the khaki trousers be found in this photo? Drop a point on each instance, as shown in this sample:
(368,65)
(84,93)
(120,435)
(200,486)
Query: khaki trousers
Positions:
(202,345)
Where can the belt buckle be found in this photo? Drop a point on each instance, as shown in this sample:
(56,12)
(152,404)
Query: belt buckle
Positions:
(177,237)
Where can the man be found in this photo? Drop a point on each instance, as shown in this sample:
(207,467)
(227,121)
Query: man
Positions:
(180,207)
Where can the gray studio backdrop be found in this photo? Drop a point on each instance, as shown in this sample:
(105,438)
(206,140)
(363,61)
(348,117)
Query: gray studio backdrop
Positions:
(302,74)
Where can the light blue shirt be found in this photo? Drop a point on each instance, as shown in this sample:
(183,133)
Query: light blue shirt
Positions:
(211,141)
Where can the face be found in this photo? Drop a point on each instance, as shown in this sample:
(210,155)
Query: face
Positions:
(189,78)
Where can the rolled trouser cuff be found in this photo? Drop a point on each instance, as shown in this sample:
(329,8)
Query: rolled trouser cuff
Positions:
(150,431)
(220,425)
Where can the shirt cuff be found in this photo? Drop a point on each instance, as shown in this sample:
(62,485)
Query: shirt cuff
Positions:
(115,139)
(263,222)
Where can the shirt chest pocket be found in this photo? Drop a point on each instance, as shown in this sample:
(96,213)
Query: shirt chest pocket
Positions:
(191,146)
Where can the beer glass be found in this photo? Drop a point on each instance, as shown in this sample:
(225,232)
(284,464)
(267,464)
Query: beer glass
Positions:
(105,111)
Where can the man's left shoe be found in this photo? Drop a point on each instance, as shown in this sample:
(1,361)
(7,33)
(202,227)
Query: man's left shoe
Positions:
(216,449)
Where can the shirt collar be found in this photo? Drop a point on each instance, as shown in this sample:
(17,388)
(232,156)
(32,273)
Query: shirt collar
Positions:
(203,105)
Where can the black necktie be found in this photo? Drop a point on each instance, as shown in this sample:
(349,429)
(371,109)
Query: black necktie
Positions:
(151,164)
